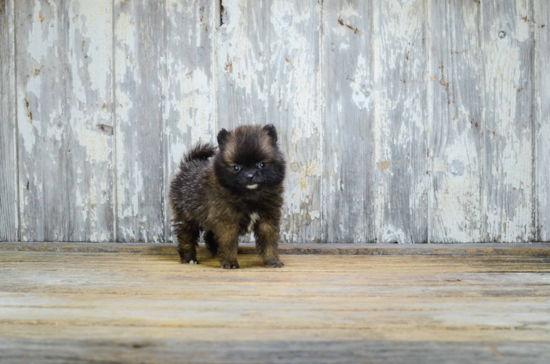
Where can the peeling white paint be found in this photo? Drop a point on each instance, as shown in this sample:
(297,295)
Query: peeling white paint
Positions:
(97,149)
(42,34)
(361,93)
(27,131)
(399,128)
(508,198)
(392,234)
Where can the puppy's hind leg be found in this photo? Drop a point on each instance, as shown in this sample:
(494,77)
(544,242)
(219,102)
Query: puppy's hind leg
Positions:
(211,242)
(187,242)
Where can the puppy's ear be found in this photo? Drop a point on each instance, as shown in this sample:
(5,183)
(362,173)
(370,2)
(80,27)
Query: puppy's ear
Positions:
(222,138)
(272,132)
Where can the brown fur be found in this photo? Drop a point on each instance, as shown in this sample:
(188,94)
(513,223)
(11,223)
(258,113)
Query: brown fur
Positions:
(210,195)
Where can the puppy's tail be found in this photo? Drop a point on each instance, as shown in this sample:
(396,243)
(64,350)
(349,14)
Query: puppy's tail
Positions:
(200,152)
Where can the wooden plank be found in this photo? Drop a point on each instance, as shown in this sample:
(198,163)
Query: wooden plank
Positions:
(542,118)
(534,250)
(64,118)
(400,137)
(268,69)
(270,315)
(456,125)
(9,217)
(137,335)
(42,122)
(293,106)
(242,63)
(190,99)
(348,190)
(159,267)
(140,184)
(152,308)
(284,351)
(508,167)
(89,117)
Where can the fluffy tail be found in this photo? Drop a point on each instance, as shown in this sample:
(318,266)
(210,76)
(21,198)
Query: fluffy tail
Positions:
(200,152)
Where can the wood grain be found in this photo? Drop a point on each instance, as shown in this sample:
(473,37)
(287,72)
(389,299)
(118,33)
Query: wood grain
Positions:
(268,70)
(293,105)
(541,25)
(508,166)
(129,307)
(242,60)
(189,83)
(456,122)
(9,217)
(137,350)
(89,98)
(140,175)
(494,249)
(348,164)
(400,128)
(41,111)
(64,102)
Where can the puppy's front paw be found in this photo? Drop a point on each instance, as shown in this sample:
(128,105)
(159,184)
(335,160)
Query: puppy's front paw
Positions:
(277,264)
(190,261)
(227,265)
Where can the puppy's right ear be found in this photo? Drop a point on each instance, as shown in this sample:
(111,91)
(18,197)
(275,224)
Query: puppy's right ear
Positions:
(222,138)
(272,132)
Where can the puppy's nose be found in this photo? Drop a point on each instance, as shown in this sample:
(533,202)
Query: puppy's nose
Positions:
(250,176)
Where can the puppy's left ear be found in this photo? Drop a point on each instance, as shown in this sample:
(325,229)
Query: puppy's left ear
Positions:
(272,132)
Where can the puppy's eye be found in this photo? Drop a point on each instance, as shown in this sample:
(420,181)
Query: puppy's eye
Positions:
(237,168)
(261,165)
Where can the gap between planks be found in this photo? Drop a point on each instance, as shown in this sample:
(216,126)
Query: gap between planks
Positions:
(520,249)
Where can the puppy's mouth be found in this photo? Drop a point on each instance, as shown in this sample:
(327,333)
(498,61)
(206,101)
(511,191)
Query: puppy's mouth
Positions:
(252,187)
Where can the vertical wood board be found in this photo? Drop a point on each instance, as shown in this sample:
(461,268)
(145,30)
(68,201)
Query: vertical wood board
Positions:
(9,219)
(242,63)
(64,99)
(41,95)
(140,184)
(456,125)
(541,101)
(89,131)
(348,179)
(400,137)
(188,84)
(293,83)
(508,166)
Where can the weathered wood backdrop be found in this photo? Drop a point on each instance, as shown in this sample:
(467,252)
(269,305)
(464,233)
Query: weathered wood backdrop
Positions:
(403,120)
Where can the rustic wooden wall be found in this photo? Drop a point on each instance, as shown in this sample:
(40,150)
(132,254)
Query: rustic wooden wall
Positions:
(405,121)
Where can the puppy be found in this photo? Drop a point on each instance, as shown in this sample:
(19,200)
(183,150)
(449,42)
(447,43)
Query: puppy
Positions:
(238,190)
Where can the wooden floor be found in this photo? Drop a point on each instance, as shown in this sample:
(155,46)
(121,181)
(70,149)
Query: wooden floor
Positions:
(139,306)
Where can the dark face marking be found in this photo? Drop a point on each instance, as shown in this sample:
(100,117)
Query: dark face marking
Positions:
(249,159)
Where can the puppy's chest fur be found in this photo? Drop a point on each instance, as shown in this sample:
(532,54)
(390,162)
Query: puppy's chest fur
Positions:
(247,220)
(246,214)
(253,219)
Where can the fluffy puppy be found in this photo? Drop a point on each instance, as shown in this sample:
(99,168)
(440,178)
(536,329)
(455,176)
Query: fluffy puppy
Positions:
(237,191)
